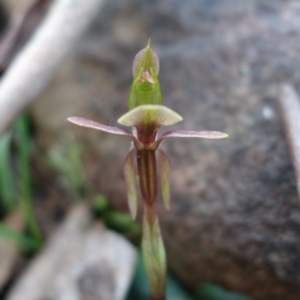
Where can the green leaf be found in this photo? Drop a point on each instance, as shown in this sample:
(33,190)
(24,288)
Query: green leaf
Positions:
(175,291)
(208,291)
(139,287)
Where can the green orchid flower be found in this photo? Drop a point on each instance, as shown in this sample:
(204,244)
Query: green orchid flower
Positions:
(146,116)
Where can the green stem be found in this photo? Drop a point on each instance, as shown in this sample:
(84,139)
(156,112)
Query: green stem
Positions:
(154,253)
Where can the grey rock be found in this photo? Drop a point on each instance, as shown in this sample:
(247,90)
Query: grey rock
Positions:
(80,262)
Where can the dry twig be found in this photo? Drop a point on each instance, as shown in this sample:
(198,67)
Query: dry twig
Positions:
(33,68)
(21,26)
(290,104)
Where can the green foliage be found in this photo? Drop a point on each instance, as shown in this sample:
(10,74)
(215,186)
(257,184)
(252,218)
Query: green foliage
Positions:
(65,159)
(208,291)
(100,205)
(7,192)
(24,145)
(116,220)
(15,182)
(27,244)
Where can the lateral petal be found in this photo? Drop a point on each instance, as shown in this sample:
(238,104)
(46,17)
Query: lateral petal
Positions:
(110,129)
(129,174)
(91,124)
(206,134)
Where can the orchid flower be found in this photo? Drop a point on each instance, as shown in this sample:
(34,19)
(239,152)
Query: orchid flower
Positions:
(145,116)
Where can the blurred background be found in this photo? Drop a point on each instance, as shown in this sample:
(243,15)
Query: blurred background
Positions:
(233,228)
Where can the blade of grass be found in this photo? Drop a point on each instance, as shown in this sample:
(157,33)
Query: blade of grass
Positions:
(23,139)
(8,247)
(26,243)
(7,193)
(65,159)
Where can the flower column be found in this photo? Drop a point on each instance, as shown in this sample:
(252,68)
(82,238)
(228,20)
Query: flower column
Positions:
(146,120)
